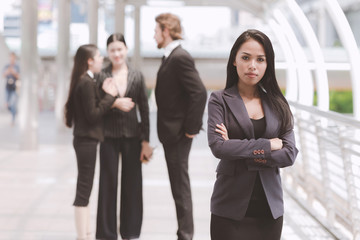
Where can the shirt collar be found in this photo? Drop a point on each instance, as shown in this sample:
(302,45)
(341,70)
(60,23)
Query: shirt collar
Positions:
(90,73)
(171,46)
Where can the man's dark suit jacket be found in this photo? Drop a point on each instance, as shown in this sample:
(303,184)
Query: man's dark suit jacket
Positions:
(180,97)
(90,109)
(241,157)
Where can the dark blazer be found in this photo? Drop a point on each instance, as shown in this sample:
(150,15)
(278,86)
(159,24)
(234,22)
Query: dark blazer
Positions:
(120,124)
(180,97)
(241,157)
(90,109)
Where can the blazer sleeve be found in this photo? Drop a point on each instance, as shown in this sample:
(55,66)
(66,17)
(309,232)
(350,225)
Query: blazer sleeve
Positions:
(232,149)
(193,86)
(93,112)
(144,110)
(281,158)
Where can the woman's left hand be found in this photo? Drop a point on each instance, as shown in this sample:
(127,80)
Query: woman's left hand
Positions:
(222,130)
(146,152)
(124,104)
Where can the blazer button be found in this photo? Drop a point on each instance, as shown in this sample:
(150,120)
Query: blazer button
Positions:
(262,151)
(255,152)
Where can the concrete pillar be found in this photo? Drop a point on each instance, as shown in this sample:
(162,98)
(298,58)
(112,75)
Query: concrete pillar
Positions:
(136,58)
(93,18)
(62,61)
(120,16)
(28,102)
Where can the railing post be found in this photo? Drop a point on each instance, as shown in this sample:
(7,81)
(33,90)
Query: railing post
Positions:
(329,204)
(305,157)
(354,211)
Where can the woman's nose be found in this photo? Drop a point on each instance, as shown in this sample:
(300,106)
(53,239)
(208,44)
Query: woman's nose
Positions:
(252,64)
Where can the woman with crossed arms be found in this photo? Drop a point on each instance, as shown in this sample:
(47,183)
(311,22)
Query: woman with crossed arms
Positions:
(250,129)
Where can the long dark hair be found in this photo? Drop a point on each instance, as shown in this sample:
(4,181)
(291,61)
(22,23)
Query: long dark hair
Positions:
(115,37)
(269,83)
(83,54)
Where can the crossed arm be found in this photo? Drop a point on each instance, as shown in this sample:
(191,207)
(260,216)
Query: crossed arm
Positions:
(258,153)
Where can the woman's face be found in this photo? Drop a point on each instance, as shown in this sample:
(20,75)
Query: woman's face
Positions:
(250,63)
(117,52)
(95,64)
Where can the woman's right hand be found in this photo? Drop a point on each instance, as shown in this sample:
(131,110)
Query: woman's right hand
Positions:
(125,104)
(222,130)
(276,144)
(109,87)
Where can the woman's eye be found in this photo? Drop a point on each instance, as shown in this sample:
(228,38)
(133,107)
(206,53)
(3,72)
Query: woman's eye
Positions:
(245,57)
(261,59)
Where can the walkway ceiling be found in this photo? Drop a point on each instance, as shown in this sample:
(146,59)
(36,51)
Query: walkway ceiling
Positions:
(256,7)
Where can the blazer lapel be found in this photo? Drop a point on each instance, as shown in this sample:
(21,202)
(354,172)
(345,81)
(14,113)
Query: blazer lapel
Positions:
(96,86)
(164,59)
(130,80)
(237,108)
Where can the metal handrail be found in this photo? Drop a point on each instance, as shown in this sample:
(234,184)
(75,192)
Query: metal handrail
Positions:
(326,176)
(327,114)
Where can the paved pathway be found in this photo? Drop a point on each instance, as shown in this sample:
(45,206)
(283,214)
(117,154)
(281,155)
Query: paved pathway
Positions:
(37,189)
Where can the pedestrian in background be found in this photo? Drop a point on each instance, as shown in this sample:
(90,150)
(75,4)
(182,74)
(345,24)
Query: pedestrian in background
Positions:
(11,73)
(250,129)
(180,98)
(84,110)
(127,135)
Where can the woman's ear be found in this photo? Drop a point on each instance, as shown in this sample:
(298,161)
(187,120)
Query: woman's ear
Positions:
(90,61)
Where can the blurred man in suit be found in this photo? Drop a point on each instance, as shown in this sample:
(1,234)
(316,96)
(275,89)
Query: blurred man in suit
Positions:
(181,98)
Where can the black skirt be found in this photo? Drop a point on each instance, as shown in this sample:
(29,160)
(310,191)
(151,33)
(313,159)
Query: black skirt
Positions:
(249,228)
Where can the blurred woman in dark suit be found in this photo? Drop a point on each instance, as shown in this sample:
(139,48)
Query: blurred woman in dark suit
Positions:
(127,135)
(85,109)
(250,129)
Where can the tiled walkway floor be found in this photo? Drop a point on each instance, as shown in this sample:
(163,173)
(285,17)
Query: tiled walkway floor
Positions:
(37,189)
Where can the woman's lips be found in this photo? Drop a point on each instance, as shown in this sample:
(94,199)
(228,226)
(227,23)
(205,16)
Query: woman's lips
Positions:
(251,75)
